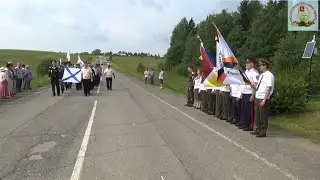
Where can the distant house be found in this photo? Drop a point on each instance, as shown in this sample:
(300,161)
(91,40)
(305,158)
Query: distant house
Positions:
(122,54)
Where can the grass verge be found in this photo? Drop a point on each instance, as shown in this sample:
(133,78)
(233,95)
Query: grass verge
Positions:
(305,124)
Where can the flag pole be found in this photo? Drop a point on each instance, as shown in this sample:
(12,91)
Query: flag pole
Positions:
(199,38)
(240,68)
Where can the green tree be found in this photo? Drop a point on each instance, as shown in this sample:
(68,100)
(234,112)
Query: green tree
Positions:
(266,31)
(236,38)
(96,52)
(43,67)
(175,52)
(191,53)
(247,13)
(289,52)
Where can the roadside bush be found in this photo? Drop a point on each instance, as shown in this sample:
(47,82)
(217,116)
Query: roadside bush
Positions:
(290,50)
(140,67)
(290,93)
(160,65)
(181,69)
(43,66)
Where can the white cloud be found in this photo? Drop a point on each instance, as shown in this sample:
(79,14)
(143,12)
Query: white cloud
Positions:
(83,25)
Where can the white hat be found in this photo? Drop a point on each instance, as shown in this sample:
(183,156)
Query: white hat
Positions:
(2,69)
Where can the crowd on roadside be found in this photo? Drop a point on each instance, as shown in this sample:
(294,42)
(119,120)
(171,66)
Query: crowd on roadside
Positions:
(13,79)
(245,106)
(149,77)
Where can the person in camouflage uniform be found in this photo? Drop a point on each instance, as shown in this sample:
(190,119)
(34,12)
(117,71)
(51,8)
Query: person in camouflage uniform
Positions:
(190,97)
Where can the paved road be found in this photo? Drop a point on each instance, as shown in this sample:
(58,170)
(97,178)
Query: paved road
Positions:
(138,132)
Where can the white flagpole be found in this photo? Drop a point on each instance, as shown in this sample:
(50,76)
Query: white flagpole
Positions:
(68,56)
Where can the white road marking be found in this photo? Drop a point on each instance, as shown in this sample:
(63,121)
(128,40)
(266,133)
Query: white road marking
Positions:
(28,96)
(83,148)
(254,154)
(161,177)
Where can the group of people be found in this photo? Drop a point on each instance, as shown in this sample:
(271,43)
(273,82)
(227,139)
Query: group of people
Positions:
(246,106)
(149,77)
(13,79)
(90,77)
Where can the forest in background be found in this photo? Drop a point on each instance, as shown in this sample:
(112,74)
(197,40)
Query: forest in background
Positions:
(257,30)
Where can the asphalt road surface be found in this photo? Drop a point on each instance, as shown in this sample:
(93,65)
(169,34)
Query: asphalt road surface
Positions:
(137,132)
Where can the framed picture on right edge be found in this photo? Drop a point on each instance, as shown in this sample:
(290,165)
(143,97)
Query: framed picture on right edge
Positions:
(303,15)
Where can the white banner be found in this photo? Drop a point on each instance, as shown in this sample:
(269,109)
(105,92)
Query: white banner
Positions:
(72,75)
(233,76)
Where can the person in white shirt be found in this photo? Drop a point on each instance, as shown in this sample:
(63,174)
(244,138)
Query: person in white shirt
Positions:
(263,91)
(161,77)
(86,76)
(108,73)
(146,75)
(247,95)
(196,95)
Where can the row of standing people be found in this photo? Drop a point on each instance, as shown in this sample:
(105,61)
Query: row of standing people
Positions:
(149,77)
(12,79)
(91,79)
(246,106)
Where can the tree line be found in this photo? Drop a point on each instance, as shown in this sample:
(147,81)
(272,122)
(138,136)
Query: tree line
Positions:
(98,52)
(256,30)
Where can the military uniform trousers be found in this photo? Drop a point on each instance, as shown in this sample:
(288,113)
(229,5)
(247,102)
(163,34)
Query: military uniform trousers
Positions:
(204,99)
(196,96)
(247,110)
(226,106)
(236,110)
(211,102)
(190,97)
(261,116)
(218,104)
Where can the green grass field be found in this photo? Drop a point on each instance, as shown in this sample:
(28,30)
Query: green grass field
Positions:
(303,124)
(33,58)
(128,65)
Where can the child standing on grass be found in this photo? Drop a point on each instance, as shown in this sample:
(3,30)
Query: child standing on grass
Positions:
(161,77)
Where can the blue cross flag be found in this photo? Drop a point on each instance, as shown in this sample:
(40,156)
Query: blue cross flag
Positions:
(72,75)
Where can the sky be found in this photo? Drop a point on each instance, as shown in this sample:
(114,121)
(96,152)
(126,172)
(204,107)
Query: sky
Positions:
(109,25)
